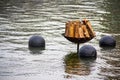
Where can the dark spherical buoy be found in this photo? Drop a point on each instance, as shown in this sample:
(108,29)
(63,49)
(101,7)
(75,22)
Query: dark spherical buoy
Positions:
(87,51)
(37,41)
(107,41)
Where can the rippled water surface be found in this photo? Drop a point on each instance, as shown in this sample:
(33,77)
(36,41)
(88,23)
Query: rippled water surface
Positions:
(21,19)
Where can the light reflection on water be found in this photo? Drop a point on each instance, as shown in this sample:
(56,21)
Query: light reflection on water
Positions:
(20,19)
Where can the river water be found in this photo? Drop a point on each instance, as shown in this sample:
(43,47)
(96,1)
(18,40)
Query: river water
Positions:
(21,19)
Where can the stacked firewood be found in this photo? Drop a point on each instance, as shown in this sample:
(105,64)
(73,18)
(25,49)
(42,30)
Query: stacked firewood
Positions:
(77,29)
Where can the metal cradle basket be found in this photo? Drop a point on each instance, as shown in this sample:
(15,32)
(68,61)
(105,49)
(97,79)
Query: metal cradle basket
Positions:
(79,32)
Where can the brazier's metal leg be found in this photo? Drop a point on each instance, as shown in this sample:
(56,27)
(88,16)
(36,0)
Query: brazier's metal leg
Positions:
(77,48)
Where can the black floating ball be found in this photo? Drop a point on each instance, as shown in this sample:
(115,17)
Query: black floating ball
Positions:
(107,41)
(37,41)
(87,51)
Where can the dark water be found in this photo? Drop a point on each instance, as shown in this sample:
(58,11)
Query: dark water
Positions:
(20,19)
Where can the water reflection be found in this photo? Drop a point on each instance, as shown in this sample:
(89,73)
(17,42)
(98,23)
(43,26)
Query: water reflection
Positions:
(76,65)
(111,19)
(36,51)
(112,58)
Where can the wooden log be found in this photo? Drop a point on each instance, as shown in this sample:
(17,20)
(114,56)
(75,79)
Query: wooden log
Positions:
(67,29)
(81,33)
(77,25)
(85,31)
(71,29)
(89,27)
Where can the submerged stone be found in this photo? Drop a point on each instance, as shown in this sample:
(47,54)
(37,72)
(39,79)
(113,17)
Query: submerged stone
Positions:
(87,51)
(107,41)
(37,41)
